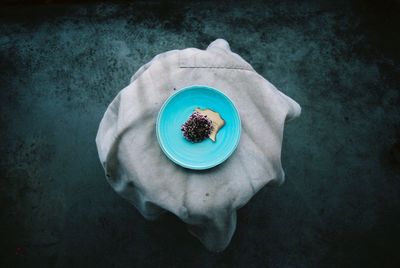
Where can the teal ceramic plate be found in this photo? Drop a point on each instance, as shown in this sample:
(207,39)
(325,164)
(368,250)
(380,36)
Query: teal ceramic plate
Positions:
(177,109)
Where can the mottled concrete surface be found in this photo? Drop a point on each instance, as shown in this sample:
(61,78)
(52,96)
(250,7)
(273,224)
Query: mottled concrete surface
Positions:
(61,64)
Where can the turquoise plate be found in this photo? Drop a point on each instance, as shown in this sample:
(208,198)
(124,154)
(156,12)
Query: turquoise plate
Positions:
(177,109)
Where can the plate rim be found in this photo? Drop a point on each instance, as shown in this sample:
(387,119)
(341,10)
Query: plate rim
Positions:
(179,162)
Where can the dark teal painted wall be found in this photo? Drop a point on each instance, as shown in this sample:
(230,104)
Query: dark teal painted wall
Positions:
(60,66)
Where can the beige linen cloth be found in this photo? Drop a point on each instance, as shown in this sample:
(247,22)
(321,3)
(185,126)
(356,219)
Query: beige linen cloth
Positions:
(205,200)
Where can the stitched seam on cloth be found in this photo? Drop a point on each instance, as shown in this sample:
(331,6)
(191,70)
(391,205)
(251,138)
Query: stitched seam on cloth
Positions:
(183,63)
(216,67)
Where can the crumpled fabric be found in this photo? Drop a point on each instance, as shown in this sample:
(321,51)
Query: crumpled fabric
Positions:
(206,200)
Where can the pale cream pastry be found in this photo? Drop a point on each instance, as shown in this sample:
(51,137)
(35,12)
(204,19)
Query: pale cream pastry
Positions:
(216,120)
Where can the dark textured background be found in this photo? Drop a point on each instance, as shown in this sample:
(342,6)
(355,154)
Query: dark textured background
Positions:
(61,64)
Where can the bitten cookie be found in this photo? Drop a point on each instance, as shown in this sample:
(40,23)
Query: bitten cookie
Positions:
(216,119)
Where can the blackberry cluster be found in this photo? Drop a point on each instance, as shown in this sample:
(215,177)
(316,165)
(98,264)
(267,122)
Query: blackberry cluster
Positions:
(197,128)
